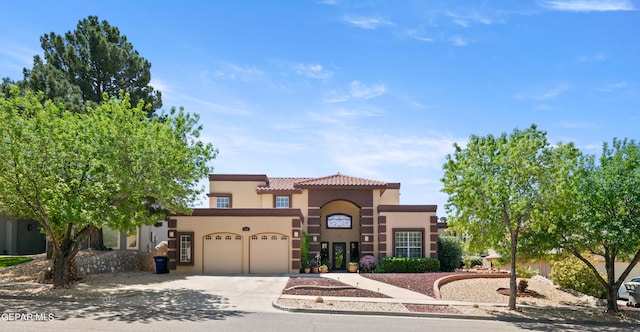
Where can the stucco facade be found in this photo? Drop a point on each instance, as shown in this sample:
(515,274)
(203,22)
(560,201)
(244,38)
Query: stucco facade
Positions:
(254,224)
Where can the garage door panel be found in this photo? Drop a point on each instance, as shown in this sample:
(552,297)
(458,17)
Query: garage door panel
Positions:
(269,253)
(222,253)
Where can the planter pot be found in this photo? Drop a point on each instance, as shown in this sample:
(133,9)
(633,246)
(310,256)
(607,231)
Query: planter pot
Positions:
(314,270)
(307,270)
(324,270)
(353,267)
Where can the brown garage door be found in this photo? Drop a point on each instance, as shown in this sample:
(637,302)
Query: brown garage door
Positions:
(269,253)
(222,253)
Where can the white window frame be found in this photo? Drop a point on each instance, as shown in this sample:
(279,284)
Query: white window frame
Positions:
(223,202)
(404,242)
(279,200)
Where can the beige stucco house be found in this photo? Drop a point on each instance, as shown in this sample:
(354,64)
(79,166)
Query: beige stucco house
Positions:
(254,224)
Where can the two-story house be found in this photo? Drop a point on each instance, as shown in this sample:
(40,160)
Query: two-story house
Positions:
(254,224)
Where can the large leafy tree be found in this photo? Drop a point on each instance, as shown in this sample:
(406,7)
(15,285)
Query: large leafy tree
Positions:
(494,184)
(110,166)
(80,66)
(596,211)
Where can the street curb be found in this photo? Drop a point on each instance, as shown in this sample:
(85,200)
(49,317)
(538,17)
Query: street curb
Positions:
(445,316)
(377,313)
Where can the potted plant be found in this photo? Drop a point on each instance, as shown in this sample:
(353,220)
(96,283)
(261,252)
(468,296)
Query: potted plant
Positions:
(354,257)
(306,267)
(314,266)
(323,268)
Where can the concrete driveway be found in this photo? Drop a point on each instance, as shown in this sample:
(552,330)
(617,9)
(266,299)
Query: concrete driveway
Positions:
(253,293)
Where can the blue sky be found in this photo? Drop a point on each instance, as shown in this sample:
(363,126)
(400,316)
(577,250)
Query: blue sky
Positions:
(375,89)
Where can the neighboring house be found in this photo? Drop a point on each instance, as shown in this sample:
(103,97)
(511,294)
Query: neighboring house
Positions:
(144,239)
(254,224)
(21,237)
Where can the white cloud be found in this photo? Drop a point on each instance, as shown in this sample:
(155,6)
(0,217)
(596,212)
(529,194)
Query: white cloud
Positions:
(417,35)
(358,90)
(545,95)
(369,23)
(458,41)
(159,85)
(614,87)
(232,72)
(466,21)
(589,5)
(312,71)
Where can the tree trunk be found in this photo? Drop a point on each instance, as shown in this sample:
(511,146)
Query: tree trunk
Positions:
(513,290)
(612,299)
(50,248)
(61,268)
(97,239)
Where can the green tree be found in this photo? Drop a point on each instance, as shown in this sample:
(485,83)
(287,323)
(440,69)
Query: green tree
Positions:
(493,185)
(79,67)
(596,211)
(110,166)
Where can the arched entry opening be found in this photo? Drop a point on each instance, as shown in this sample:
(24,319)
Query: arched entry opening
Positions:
(340,231)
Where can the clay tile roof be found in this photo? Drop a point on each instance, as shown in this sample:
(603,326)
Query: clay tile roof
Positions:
(288,184)
(340,180)
(281,184)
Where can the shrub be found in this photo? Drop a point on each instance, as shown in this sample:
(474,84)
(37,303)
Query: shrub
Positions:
(470,262)
(449,252)
(408,265)
(522,286)
(527,272)
(368,263)
(571,272)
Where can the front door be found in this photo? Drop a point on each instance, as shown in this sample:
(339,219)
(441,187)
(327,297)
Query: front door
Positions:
(339,249)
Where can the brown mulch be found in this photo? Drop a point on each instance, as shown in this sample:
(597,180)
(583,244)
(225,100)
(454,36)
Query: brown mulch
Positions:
(417,282)
(322,287)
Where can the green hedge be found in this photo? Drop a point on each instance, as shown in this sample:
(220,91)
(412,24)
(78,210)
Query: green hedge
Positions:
(449,252)
(408,265)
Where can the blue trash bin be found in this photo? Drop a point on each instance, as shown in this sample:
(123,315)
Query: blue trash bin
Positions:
(161,264)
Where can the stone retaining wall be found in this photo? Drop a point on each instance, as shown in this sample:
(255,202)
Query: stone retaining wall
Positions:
(114,261)
(118,261)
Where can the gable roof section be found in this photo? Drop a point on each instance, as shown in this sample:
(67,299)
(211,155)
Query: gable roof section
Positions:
(340,180)
(295,185)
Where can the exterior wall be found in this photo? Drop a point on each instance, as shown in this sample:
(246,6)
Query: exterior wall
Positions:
(206,225)
(390,197)
(411,221)
(243,193)
(242,189)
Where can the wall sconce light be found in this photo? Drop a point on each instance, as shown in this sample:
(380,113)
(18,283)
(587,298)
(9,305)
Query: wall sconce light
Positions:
(366,238)
(172,234)
(315,238)
(295,234)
